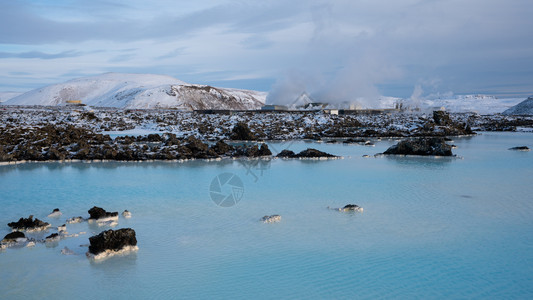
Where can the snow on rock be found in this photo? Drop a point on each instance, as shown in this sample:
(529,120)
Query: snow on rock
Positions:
(523,108)
(140,91)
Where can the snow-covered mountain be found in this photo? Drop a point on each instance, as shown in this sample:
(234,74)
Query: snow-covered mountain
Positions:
(140,91)
(523,108)
(4,96)
(481,104)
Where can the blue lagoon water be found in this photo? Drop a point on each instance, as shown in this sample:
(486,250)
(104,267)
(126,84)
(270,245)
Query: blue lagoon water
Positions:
(431,228)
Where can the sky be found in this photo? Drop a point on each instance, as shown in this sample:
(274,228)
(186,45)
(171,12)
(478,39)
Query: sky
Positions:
(338,49)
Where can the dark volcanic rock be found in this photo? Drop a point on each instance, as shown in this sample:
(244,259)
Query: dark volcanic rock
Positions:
(308,153)
(242,132)
(286,154)
(352,207)
(28,224)
(52,237)
(442,118)
(112,240)
(421,146)
(12,236)
(313,153)
(222,148)
(520,148)
(99,213)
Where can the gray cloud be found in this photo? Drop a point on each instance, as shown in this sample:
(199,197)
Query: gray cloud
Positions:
(336,49)
(41,55)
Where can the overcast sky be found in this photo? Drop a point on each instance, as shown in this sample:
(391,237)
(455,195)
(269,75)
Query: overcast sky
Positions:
(339,48)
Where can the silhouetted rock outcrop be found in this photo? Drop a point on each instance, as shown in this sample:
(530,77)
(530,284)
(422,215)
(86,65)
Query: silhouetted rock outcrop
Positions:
(100,213)
(421,146)
(113,240)
(29,224)
(520,148)
(13,236)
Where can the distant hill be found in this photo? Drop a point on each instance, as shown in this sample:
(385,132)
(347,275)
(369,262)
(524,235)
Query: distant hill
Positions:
(523,108)
(4,96)
(140,91)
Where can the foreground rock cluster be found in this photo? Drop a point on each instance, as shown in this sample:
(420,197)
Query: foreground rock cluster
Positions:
(104,244)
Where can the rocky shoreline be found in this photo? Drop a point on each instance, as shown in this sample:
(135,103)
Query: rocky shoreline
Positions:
(44,134)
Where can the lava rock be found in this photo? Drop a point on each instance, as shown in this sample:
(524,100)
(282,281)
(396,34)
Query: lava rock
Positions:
(442,118)
(520,148)
(352,207)
(29,224)
(114,240)
(242,132)
(100,213)
(286,154)
(54,237)
(13,236)
(222,148)
(421,146)
(271,219)
(313,153)
(74,220)
(55,213)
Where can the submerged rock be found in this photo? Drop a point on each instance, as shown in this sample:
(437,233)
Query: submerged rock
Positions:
(54,237)
(62,228)
(271,219)
(520,148)
(421,146)
(98,213)
(352,207)
(67,251)
(29,224)
(126,214)
(111,242)
(74,220)
(56,213)
(307,153)
(13,236)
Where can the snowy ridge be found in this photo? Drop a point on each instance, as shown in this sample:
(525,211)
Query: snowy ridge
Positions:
(481,104)
(523,108)
(140,91)
(4,96)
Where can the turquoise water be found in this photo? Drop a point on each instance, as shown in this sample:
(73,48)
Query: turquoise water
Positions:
(431,228)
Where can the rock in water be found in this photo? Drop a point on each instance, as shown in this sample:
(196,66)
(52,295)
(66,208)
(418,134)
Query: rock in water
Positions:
(286,154)
(112,241)
(313,153)
(29,224)
(307,153)
(520,148)
(13,236)
(56,213)
(67,251)
(352,207)
(421,146)
(271,219)
(74,220)
(54,237)
(126,214)
(98,213)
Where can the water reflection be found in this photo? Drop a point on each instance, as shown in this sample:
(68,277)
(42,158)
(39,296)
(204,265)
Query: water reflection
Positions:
(421,162)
